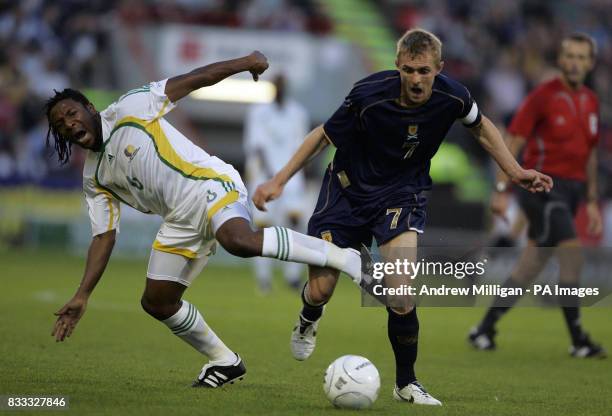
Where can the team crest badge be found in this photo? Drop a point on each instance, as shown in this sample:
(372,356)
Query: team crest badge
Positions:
(130,151)
(327,236)
(412,140)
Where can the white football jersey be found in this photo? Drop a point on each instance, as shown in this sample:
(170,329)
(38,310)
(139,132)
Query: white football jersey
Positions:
(148,164)
(277,132)
(274,133)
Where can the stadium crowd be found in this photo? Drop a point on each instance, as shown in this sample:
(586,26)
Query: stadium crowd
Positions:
(500,50)
(45,45)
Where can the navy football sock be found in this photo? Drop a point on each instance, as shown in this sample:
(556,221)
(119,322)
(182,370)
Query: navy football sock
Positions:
(310,313)
(403,331)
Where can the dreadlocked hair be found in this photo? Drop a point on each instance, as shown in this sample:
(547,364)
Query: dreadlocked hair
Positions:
(61,144)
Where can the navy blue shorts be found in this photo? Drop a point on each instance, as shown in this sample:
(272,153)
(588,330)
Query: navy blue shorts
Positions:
(349,224)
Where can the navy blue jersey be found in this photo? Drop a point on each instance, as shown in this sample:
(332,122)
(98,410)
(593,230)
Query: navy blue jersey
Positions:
(384,149)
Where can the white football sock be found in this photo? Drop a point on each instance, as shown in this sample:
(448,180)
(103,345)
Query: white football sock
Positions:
(187,323)
(287,245)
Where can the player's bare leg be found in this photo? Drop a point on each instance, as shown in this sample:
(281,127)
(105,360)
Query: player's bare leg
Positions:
(530,264)
(239,239)
(570,257)
(315,294)
(403,323)
(162,300)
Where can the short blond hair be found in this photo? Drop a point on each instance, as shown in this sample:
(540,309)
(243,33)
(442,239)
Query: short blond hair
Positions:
(419,41)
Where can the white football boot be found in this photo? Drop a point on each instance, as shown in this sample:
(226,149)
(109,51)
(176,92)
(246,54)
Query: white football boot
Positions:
(415,393)
(304,338)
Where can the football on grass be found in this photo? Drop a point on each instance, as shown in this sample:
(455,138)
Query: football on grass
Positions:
(352,382)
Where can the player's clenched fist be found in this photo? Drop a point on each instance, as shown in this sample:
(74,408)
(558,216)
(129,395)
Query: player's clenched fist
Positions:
(259,63)
(267,191)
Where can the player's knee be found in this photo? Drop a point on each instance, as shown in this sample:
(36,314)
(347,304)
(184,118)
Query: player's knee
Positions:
(319,294)
(402,309)
(238,239)
(158,310)
(241,245)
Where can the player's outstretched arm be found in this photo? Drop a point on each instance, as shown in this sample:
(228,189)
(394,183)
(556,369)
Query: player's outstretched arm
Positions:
(314,142)
(500,198)
(98,255)
(178,87)
(491,140)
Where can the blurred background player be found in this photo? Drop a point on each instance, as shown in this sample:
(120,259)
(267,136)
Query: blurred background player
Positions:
(273,132)
(558,127)
(134,156)
(386,132)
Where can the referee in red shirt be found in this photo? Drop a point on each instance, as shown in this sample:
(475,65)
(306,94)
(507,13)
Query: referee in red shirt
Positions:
(557,125)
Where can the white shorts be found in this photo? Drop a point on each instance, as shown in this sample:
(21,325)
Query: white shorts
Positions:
(175,268)
(181,249)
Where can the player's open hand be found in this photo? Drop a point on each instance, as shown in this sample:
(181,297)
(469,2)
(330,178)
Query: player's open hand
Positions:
(67,318)
(267,191)
(533,181)
(595,223)
(259,63)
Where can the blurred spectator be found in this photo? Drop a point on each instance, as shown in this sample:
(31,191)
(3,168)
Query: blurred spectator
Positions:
(49,77)
(272,14)
(44,45)
(505,87)
(31,153)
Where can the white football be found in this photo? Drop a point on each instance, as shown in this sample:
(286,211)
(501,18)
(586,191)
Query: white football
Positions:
(352,382)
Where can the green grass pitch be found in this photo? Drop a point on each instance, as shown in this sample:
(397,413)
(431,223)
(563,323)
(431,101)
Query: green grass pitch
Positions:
(120,361)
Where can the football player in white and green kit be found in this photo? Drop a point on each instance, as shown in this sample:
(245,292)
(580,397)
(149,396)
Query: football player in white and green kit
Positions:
(137,158)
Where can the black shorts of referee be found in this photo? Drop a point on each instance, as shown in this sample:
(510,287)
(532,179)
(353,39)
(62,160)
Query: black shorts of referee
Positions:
(551,215)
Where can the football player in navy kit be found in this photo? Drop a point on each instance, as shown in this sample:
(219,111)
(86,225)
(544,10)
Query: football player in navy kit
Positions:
(385,133)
